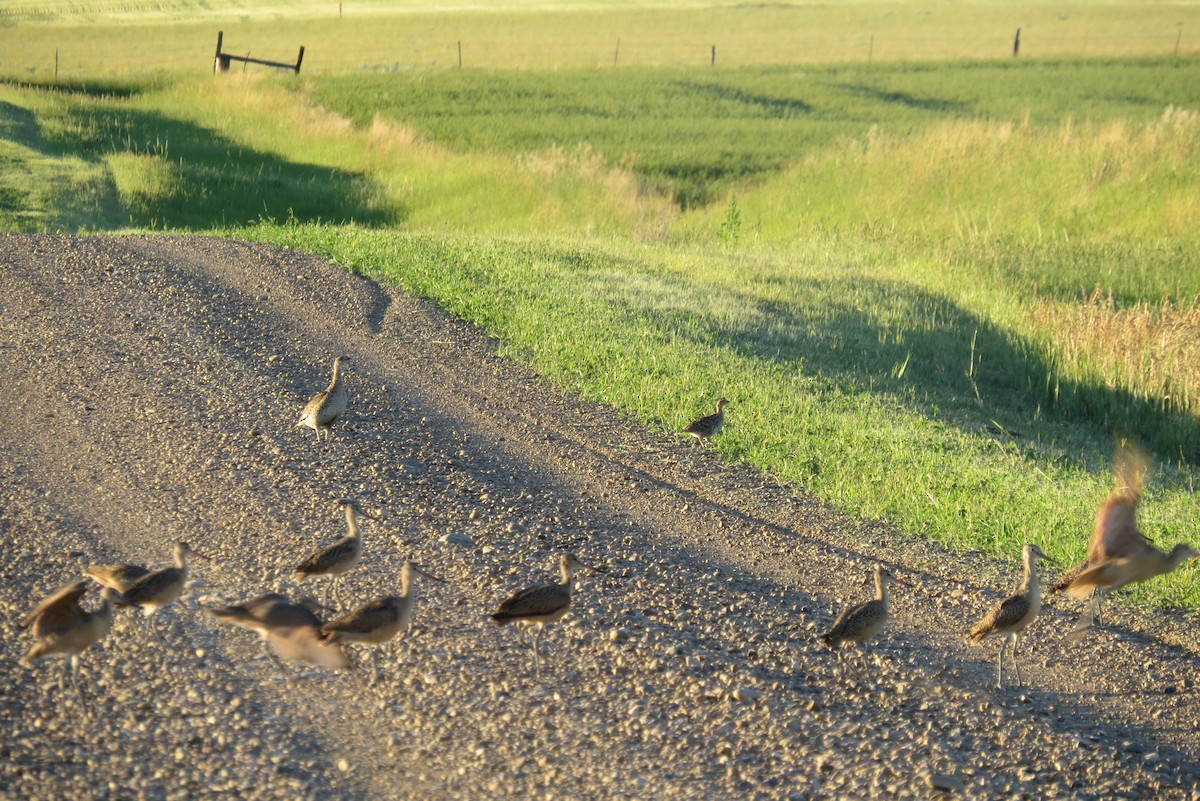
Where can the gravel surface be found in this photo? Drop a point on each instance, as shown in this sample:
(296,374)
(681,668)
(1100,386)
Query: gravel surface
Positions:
(151,385)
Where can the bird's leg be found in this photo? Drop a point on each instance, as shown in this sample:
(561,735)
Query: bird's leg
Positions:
(279,663)
(1000,666)
(846,663)
(1016,664)
(1101,594)
(537,659)
(62,688)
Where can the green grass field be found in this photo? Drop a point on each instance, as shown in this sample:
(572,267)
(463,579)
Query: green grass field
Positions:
(937,289)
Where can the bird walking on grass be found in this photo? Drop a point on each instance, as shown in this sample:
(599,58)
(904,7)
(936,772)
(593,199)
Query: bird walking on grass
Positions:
(541,604)
(1012,616)
(327,406)
(861,622)
(380,620)
(705,428)
(61,626)
(341,557)
(290,630)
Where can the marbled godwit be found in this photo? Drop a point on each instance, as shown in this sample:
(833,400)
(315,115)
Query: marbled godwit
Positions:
(341,557)
(1115,533)
(705,428)
(545,603)
(380,620)
(116,577)
(861,622)
(328,405)
(63,627)
(161,588)
(1138,566)
(291,630)
(1014,614)
(1118,553)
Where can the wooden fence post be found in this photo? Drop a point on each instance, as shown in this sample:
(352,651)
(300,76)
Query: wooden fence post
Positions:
(713,61)
(1017,43)
(617,52)
(460,54)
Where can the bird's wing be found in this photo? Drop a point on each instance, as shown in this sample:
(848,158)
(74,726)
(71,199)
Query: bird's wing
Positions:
(534,601)
(150,585)
(1116,533)
(62,602)
(702,425)
(322,559)
(1005,614)
(366,618)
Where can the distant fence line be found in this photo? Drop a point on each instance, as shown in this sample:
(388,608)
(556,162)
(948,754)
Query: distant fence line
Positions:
(626,52)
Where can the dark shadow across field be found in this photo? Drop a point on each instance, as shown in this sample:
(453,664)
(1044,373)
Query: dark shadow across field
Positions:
(863,335)
(210,180)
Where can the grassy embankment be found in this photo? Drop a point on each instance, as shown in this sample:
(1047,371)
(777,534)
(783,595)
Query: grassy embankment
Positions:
(897,290)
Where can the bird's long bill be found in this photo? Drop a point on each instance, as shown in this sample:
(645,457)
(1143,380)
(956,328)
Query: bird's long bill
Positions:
(199,554)
(593,568)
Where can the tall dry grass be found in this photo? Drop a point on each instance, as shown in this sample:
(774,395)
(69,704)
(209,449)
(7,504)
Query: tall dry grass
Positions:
(1150,351)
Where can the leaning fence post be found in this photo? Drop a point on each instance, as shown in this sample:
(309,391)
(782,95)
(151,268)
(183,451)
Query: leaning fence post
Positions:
(1017,43)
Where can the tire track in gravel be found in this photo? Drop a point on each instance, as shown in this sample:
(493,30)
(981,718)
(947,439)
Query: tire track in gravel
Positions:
(151,385)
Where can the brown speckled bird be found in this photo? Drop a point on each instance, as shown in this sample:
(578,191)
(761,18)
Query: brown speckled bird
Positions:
(324,409)
(861,622)
(1118,553)
(1013,615)
(61,626)
(380,620)
(705,428)
(161,588)
(341,557)
(545,603)
(1115,533)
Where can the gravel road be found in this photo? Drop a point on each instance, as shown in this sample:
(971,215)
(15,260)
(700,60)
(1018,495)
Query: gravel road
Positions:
(151,385)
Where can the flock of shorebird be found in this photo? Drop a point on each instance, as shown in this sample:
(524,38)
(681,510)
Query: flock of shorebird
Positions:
(1118,554)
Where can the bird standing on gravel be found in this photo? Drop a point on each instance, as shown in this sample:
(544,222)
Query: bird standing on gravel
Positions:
(863,621)
(161,588)
(380,620)
(61,626)
(705,428)
(290,629)
(1013,615)
(542,604)
(328,405)
(341,557)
